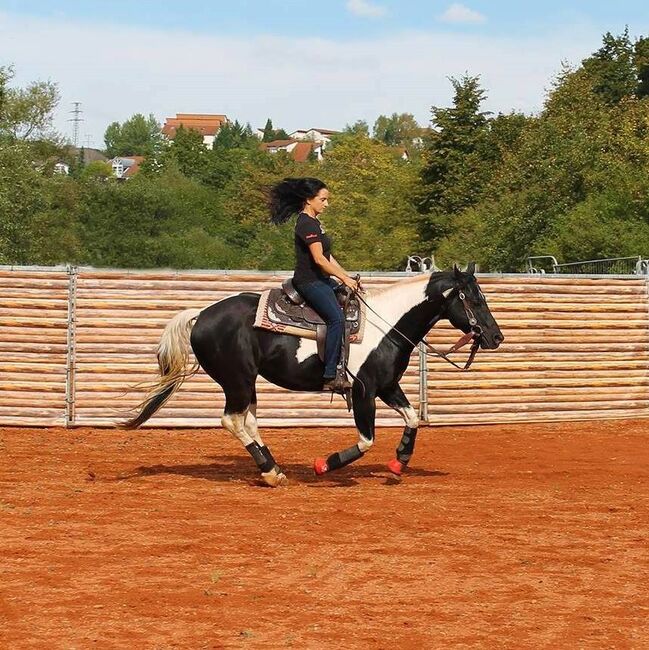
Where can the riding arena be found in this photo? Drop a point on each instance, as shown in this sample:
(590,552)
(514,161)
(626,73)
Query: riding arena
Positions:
(520,519)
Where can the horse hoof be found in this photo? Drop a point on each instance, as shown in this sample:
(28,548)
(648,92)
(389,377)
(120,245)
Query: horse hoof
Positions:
(396,467)
(274,478)
(320,466)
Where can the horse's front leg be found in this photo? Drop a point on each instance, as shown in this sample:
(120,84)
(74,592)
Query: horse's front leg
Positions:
(364,416)
(395,398)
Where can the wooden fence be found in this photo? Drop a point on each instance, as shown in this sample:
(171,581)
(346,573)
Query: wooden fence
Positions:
(72,341)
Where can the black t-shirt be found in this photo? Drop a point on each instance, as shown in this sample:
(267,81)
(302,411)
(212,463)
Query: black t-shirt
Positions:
(307,231)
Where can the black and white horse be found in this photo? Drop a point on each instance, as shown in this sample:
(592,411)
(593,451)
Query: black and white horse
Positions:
(233,353)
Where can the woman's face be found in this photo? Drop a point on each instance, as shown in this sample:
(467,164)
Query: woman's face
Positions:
(319,202)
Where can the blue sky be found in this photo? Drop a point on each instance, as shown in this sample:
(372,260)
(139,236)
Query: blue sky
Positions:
(303,63)
(334,19)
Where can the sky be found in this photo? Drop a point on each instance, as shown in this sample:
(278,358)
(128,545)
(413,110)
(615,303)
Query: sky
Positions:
(303,63)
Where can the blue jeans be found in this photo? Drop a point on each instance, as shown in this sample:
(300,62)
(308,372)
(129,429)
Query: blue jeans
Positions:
(320,295)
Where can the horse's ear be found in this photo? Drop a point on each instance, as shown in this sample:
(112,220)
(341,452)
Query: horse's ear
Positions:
(471,268)
(456,272)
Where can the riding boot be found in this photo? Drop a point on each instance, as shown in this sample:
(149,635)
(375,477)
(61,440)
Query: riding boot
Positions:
(339,384)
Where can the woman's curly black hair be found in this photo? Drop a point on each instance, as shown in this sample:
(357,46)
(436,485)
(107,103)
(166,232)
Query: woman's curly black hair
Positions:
(289,196)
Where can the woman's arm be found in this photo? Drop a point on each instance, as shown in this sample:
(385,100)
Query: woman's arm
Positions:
(335,262)
(331,267)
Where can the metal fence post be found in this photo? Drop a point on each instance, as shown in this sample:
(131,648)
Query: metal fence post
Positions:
(70,352)
(423,384)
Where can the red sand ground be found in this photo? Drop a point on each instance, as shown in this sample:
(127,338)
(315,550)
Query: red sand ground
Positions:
(502,536)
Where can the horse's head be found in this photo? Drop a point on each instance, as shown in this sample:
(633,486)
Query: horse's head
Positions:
(466,307)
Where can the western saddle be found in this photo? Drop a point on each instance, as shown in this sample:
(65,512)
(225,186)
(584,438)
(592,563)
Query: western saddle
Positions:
(285,310)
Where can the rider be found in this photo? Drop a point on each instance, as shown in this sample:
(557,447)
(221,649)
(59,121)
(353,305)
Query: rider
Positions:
(314,263)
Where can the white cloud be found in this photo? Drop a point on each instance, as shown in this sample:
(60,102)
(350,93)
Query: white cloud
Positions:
(458,13)
(302,82)
(365,9)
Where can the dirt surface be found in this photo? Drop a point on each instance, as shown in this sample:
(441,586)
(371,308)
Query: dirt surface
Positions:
(530,536)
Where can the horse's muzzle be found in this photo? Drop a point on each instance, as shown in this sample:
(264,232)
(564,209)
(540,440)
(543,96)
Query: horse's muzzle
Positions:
(490,342)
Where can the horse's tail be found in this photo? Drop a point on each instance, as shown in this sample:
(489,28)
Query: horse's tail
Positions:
(173,360)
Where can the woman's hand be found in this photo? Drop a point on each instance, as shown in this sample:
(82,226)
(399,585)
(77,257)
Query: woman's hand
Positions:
(350,282)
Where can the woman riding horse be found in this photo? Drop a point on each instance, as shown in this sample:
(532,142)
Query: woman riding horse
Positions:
(314,264)
(233,352)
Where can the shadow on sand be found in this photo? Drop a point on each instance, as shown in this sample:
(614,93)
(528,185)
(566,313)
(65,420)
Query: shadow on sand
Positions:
(237,469)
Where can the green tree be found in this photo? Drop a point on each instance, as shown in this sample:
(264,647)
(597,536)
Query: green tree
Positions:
(570,183)
(612,68)
(360,127)
(641,61)
(30,233)
(187,153)
(397,129)
(26,113)
(164,220)
(98,170)
(6,73)
(456,159)
(137,136)
(271,134)
(372,192)
(233,135)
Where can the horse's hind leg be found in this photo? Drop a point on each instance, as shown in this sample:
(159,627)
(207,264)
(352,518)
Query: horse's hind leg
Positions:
(395,398)
(239,418)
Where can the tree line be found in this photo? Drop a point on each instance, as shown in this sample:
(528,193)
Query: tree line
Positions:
(571,181)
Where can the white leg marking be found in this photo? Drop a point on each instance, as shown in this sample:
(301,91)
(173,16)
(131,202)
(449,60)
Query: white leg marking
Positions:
(409,415)
(364,444)
(250,425)
(234,423)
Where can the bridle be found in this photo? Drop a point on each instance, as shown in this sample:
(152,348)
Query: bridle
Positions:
(474,334)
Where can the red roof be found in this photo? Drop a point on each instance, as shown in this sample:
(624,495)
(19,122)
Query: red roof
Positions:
(204,124)
(300,152)
(279,144)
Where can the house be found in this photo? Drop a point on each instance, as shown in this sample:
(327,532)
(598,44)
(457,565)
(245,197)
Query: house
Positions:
(89,154)
(403,153)
(321,136)
(207,125)
(126,166)
(84,155)
(299,151)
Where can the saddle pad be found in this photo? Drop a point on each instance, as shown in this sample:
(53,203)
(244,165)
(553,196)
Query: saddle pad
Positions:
(268,318)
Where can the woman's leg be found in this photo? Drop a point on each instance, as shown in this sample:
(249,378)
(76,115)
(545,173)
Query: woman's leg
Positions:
(322,298)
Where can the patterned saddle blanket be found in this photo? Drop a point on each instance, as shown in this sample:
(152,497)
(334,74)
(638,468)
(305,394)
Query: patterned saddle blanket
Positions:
(284,310)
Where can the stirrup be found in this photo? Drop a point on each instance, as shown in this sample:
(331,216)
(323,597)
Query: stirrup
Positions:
(337,385)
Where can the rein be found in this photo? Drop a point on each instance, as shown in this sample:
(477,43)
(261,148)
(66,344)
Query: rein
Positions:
(474,334)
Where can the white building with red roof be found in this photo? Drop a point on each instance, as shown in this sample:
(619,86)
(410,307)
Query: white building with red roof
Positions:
(206,124)
(298,150)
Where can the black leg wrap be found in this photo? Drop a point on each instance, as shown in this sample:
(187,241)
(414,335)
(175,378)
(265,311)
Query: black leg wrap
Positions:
(344,457)
(261,456)
(407,445)
(267,455)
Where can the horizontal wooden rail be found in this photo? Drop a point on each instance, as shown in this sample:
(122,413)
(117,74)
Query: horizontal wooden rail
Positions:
(74,341)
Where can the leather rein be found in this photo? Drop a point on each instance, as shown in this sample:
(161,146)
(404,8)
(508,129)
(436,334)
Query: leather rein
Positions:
(474,335)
